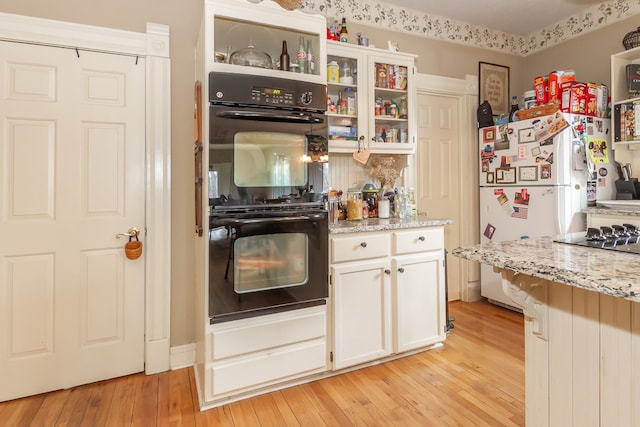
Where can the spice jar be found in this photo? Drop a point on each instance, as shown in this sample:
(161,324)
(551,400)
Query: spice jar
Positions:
(354,204)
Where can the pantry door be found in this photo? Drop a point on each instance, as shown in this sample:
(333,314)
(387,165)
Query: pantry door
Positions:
(72,162)
(445,164)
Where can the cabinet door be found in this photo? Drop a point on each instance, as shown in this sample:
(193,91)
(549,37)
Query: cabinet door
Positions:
(419,290)
(347,95)
(362,312)
(391,103)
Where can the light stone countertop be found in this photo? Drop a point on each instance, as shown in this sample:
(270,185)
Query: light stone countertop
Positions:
(600,270)
(380,224)
(599,210)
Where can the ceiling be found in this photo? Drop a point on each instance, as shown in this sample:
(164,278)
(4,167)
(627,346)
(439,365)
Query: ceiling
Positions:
(521,17)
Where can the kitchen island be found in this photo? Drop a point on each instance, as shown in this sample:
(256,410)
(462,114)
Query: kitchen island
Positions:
(582,328)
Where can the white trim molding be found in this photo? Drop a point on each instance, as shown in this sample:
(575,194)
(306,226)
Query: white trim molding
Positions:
(154,46)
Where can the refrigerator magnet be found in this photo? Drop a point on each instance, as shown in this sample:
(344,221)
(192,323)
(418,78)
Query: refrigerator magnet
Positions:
(526,135)
(506,175)
(545,171)
(489,134)
(528,173)
(522,152)
(490,178)
(488,231)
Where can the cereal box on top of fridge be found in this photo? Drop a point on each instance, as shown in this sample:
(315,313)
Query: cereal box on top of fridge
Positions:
(541,86)
(574,97)
(592,99)
(556,78)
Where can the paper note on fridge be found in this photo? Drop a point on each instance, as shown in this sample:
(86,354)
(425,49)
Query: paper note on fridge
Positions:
(548,126)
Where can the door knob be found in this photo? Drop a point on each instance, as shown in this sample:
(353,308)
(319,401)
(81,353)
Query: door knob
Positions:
(132,232)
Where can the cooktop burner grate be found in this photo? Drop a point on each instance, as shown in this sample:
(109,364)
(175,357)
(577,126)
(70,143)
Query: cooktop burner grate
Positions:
(621,238)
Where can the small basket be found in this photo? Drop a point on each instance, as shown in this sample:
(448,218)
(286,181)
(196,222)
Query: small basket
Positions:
(631,39)
(543,110)
(133,248)
(289,4)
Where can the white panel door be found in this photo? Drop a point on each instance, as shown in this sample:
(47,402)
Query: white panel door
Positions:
(72,132)
(438,168)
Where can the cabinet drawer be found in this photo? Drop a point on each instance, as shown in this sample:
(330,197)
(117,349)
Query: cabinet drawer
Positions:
(359,247)
(418,240)
(266,368)
(267,332)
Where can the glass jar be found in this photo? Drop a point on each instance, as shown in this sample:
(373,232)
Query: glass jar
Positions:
(370,198)
(354,204)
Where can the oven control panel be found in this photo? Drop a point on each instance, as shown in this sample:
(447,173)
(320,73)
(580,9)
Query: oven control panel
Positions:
(272,96)
(251,90)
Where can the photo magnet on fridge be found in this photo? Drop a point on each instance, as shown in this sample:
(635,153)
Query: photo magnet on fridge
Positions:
(488,231)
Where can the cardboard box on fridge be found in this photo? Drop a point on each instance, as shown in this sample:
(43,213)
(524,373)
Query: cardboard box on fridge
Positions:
(556,79)
(541,86)
(574,97)
(597,100)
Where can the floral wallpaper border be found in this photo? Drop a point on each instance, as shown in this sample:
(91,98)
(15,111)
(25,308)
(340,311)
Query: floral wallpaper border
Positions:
(386,15)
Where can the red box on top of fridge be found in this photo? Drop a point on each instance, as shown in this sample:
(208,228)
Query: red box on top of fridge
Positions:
(541,86)
(592,99)
(574,97)
(556,79)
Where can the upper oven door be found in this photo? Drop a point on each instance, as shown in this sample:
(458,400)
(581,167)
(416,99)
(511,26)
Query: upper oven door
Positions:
(261,155)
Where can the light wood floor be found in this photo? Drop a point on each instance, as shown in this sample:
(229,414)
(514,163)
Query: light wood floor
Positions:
(475,379)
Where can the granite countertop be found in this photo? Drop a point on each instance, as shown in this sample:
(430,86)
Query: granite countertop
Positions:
(600,210)
(380,224)
(600,270)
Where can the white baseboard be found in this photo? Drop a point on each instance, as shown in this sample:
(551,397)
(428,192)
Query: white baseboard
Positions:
(183,356)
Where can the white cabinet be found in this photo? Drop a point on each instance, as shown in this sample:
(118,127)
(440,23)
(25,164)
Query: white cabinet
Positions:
(240,357)
(388,293)
(362,312)
(253,353)
(376,77)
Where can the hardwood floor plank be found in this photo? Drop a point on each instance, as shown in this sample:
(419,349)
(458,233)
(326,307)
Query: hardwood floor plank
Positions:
(163,398)
(145,408)
(122,403)
(75,406)
(21,412)
(475,379)
(48,413)
(180,401)
(99,404)
(243,414)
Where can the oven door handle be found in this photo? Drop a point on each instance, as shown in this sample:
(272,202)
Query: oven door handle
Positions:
(275,220)
(270,117)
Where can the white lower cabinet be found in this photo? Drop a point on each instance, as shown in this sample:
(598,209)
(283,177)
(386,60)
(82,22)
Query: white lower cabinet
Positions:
(388,293)
(250,354)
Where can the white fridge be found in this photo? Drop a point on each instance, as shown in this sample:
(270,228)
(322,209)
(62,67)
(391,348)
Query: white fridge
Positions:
(536,177)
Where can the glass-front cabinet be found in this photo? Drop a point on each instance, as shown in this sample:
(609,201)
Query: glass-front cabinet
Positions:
(370,103)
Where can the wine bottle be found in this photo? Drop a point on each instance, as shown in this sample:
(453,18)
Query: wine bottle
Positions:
(284,57)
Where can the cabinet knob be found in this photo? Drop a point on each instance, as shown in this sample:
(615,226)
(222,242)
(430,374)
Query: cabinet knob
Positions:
(401,270)
(387,272)
(363,244)
(421,238)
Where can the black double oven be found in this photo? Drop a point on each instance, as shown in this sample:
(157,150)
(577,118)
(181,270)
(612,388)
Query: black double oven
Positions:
(268,225)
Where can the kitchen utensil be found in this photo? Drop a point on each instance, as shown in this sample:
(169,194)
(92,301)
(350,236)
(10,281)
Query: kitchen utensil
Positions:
(251,57)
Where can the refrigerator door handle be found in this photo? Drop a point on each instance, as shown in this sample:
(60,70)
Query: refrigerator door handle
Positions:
(563,202)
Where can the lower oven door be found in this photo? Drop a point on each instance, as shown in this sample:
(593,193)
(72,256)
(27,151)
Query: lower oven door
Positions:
(267,262)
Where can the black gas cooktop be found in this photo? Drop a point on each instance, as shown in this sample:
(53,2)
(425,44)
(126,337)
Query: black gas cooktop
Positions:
(621,238)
